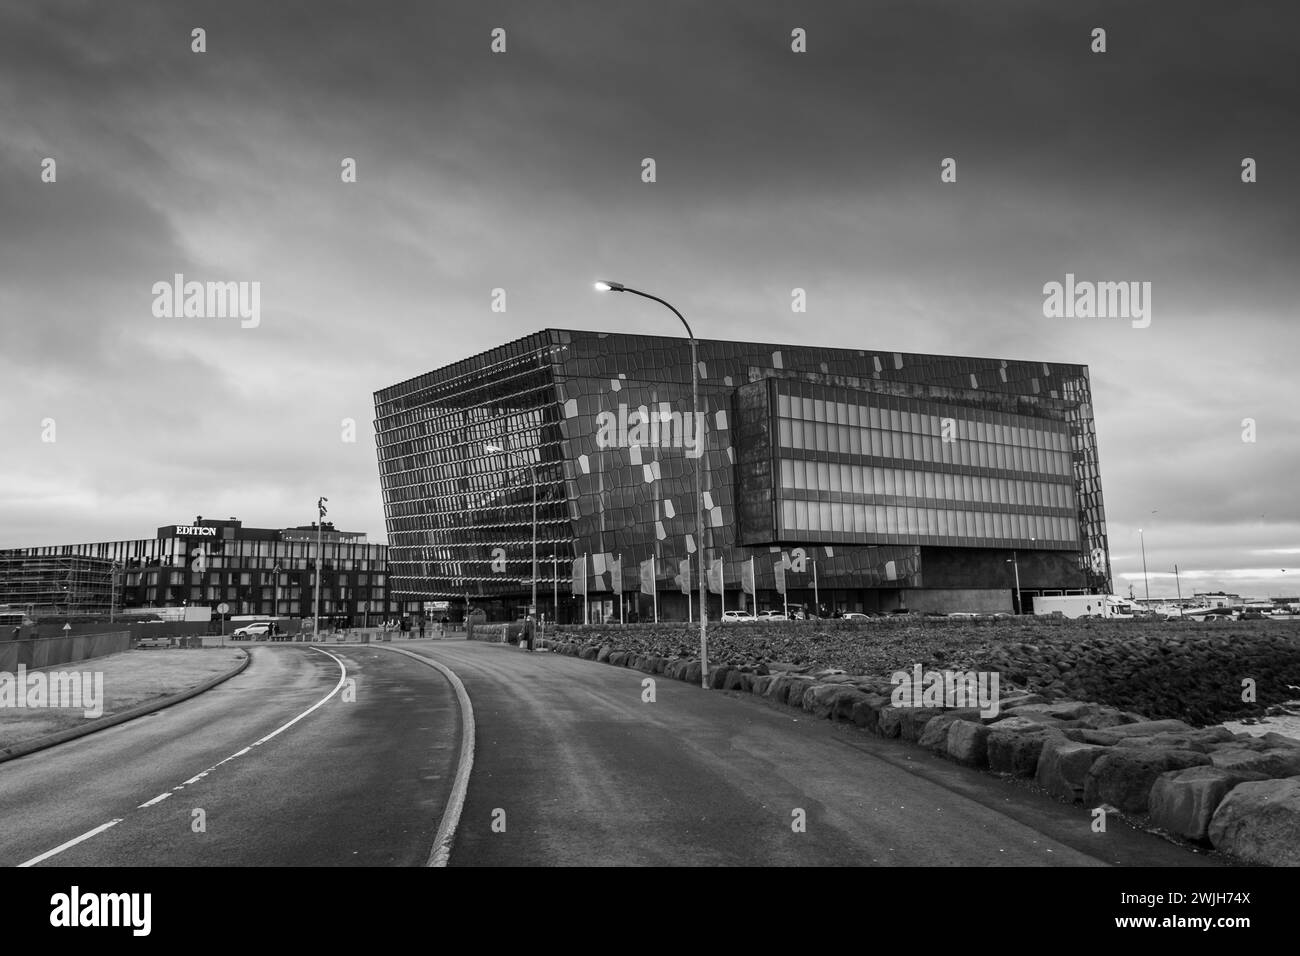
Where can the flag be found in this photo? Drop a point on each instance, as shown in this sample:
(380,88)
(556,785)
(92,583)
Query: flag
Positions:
(616,574)
(747,577)
(580,575)
(320,504)
(684,575)
(715,576)
(648,576)
(779,570)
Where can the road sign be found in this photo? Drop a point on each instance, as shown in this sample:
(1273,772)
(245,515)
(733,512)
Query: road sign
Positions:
(223,608)
(67,627)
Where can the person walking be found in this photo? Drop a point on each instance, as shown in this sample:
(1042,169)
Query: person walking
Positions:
(421,628)
(442,627)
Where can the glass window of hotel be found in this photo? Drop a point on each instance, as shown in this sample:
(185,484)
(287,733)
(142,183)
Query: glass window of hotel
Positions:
(783,405)
(855,441)
(873,416)
(819,410)
(833,438)
(788,516)
(891,520)
(909,484)
(942,522)
(784,426)
(880,520)
(833,478)
(855,414)
(823,475)
(895,420)
(787,473)
(801,514)
(859,515)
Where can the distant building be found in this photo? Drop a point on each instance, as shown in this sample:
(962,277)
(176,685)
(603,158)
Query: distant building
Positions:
(207,562)
(872,480)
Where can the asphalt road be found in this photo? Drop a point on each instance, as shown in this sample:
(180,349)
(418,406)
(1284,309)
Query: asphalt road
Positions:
(570,767)
(353,782)
(584,772)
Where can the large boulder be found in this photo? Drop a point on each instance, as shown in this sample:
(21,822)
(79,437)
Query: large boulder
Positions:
(820,699)
(1123,778)
(1259,822)
(866,712)
(912,721)
(1277,762)
(692,672)
(1014,746)
(1146,728)
(735,679)
(1063,766)
(846,702)
(890,722)
(718,677)
(935,735)
(762,682)
(1183,801)
(617,658)
(968,743)
(602,655)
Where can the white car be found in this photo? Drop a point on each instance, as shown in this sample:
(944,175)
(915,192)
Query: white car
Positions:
(771,616)
(732,616)
(258,629)
(855,616)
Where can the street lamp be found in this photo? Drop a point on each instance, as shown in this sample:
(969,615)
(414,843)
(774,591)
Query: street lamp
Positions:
(607,286)
(532,467)
(1015,562)
(1145,585)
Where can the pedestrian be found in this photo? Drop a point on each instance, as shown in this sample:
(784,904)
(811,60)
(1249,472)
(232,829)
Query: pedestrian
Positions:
(442,626)
(530,632)
(421,628)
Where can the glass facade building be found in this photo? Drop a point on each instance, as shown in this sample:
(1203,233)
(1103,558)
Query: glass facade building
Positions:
(897,479)
(256,571)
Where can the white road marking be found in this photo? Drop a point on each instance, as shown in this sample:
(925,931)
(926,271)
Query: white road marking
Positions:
(343,676)
(71,843)
(446,834)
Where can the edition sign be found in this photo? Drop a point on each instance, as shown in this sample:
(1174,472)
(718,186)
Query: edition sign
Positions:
(195,531)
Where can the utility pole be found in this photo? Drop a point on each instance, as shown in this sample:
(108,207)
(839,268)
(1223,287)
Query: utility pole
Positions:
(320,528)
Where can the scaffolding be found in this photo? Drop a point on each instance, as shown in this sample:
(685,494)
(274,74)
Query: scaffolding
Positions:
(64,585)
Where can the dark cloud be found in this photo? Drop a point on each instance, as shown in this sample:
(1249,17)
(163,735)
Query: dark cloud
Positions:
(522,171)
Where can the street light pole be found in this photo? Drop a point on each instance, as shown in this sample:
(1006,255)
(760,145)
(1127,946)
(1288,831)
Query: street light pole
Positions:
(320,527)
(1015,563)
(1145,585)
(605,286)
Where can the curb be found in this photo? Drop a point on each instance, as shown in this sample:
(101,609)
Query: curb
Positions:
(440,855)
(103,723)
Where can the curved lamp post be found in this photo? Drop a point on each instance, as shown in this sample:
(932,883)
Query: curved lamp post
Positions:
(606,286)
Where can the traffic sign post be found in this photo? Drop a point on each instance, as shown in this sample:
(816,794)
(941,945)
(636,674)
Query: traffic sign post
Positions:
(223,609)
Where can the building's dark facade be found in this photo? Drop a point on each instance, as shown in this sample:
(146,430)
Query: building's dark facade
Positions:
(910,480)
(211,562)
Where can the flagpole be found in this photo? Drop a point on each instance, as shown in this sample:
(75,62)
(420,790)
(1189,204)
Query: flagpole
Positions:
(753,584)
(586,595)
(620,590)
(555,588)
(690,618)
(654,591)
(817,601)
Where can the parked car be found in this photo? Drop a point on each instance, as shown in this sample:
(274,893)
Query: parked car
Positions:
(730,616)
(855,616)
(771,616)
(257,630)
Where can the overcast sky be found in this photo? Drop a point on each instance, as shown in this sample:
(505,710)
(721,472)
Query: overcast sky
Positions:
(522,171)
